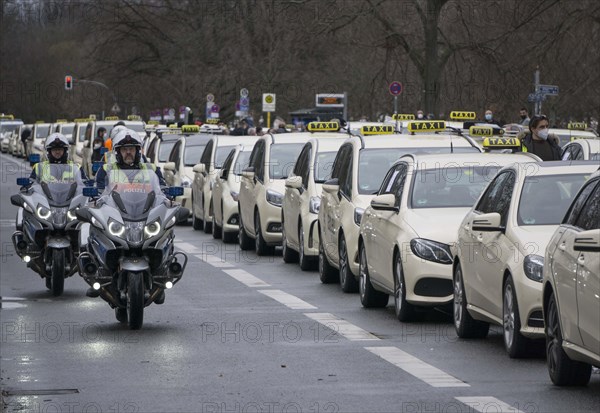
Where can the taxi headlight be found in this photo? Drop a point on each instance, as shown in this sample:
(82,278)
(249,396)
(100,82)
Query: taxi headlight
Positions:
(116,228)
(43,212)
(314,204)
(533,265)
(431,250)
(274,198)
(186,181)
(152,229)
(358,213)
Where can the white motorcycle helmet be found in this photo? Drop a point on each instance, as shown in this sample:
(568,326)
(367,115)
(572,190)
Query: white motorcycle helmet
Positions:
(127,137)
(57,140)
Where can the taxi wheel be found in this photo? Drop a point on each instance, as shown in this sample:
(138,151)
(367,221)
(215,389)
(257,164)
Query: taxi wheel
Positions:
(260,245)
(289,255)
(306,263)
(207,225)
(347,279)
(404,310)
(327,273)
(244,240)
(369,296)
(515,343)
(563,371)
(216,230)
(465,325)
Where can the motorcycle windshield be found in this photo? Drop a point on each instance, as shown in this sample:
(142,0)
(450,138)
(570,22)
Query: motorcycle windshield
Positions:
(60,183)
(133,191)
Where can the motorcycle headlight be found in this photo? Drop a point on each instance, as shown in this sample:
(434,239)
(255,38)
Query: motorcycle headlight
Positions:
(116,228)
(71,215)
(314,204)
(358,213)
(152,229)
(274,198)
(43,212)
(234,195)
(533,265)
(186,181)
(431,250)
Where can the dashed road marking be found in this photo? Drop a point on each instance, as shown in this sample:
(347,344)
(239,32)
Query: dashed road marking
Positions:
(418,368)
(288,300)
(246,278)
(214,261)
(487,404)
(189,248)
(342,327)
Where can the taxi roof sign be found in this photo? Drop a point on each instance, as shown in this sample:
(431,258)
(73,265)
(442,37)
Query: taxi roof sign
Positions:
(377,130)
(3,116)
(323,127)
(190,128)
(61,121)
(82,120)
(39,121)
(577,125)
(134,117)
(111,118)
(173,126)
(153,122)
(481,131)
(501,143)
(427,126)
(462,115)
(403,116)
(212,121)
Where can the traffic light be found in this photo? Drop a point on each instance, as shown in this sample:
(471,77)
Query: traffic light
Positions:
(68,82)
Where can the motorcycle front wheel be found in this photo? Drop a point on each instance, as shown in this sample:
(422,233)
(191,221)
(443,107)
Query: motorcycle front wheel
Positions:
(58,272)
(135,300)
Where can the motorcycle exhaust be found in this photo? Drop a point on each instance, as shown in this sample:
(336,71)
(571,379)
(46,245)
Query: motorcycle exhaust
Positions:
(87,264)
(18,239)
(175,269)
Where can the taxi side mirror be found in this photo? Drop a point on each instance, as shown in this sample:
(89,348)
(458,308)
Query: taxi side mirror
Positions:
(386,202)
(169,166)
(586,241)
(199,168)
(294,182)
(248,172)
(331,186)
(487,223)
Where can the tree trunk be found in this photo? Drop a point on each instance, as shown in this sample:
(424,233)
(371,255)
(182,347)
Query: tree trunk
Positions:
(432,70)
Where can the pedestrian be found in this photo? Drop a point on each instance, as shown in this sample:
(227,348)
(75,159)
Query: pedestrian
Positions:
(24,137)
(489,117)
(539,141)
(524,115)
(420,114)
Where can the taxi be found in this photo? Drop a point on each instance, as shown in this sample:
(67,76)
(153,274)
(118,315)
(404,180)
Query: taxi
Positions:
(582,149)
(39,133)
(185,154)
(76,150)
(206,172)
(225,194)
(499,256)
(261,191)
(406,232)
(151,127)
(160,147)
(571,287)
(302,197)
(494,140)
(14,140)
(575,130)
(19,149)
(8,124)
(359,167)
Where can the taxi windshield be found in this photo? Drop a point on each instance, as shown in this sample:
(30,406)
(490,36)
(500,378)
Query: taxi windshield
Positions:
(41,131)
(323,166)
(545,199)
(241,162)
(58,182)
(221,154)
(450,187)
(282,159)
(133,191)
(68,132)
(81,132)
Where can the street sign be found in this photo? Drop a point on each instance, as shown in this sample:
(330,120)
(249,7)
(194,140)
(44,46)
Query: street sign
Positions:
(268,102)
(550,90)
(244,92)
(210,97)
(215,108)
(395,88)
(245,104)
(115,108)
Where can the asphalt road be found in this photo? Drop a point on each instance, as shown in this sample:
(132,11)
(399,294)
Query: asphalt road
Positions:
(246,334)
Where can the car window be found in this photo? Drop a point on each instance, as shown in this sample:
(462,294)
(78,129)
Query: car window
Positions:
(545,199)
(192,154)
(567,153)
(577,205)
(258,160)
(345,179)
(81,129)
(455,187)
(174,154)
(339,158)
(282,159)
(487,203)
(241,162)
(301,162)
(323,166)
(221,153)
(228,161)
(589,218)
(42,131)
(164,150)
(373,164)
(207,154)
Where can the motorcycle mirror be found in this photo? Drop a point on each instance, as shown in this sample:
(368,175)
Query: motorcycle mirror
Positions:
(182,215)
(16,200)
(34,158)
(90,191)
(23,181)
(174,191)
(83,215)
(96,166)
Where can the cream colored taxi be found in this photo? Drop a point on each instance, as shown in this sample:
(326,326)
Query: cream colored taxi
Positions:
(575,130)
(261,192)
(302,198)
(78,140)
(582,149)
(359,167)
(225,194)
(39,133)
(206,172)
(499,257)
(406,233)
(571,290)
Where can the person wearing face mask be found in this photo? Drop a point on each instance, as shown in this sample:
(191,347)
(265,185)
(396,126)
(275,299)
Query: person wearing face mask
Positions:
(420,115)
(489,117)
(98,153)
(539,141)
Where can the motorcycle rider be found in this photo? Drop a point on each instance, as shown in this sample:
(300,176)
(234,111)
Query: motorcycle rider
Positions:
(57,151)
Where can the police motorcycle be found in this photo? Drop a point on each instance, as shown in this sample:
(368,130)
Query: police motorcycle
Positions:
(46,235)
(129,259)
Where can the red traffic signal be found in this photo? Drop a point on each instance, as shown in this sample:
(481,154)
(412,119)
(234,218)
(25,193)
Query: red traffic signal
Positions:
(68,82)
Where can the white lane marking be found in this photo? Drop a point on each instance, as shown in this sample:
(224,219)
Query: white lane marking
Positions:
(418,368)
(288,300)
(189,248)
(7,222)
(487,404)
(342,327)
(214,261)
(246,278)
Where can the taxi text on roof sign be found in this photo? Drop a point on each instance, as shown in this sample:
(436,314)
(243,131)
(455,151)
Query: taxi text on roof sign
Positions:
(501,143)
(481,131)
(427,126)
(213,121)
(403,116)
(462,115)
(377,130)
(134,117)
(173,126)
(111,118)
(577,125)
(82,120)
(153,122)
(190,128)
(323,127)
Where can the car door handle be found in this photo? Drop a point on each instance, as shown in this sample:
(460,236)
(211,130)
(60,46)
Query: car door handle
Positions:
(581,260)
(480,237)
(562,246)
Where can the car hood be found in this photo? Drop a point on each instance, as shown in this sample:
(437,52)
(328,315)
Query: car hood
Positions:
(533,239)
(436,224)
